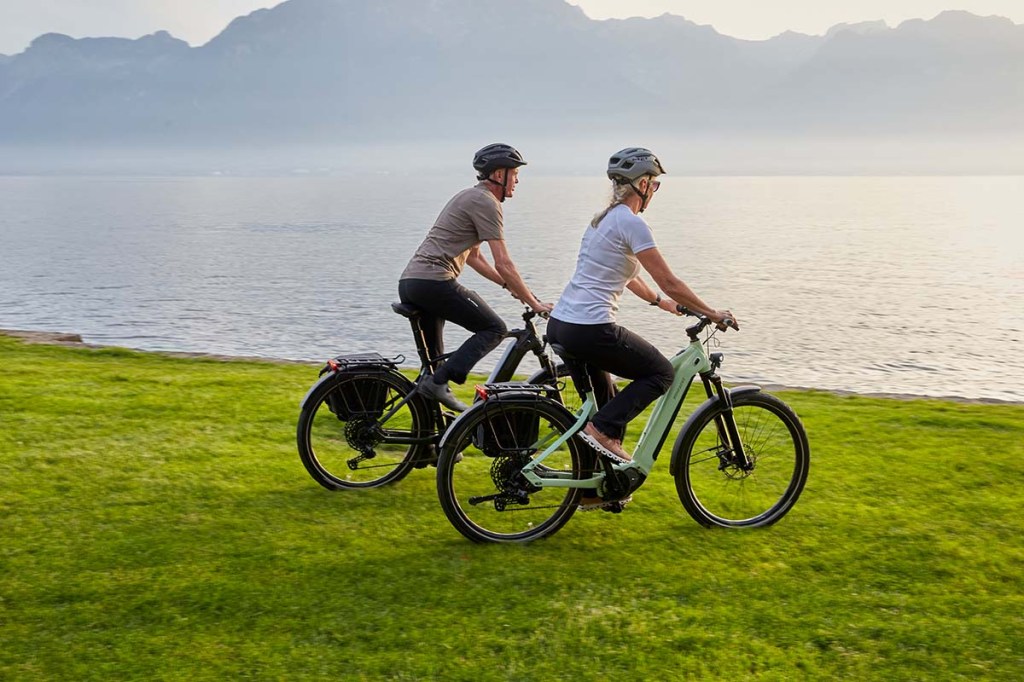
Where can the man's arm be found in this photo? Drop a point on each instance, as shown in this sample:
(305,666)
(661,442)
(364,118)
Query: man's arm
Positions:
(477,261)
(510,276)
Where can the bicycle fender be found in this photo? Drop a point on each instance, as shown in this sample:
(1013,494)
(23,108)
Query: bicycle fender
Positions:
(492,400)
(333,376)
(698,415)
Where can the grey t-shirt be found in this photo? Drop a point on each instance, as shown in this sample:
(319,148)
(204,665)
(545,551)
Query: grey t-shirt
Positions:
(607,261)
(472,216)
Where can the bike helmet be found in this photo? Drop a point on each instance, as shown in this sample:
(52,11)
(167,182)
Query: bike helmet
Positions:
(633,163)
(495,156)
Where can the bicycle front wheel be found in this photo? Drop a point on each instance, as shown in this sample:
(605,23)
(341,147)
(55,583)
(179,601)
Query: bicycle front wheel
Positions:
(344,444)
(714,487)
(484,493)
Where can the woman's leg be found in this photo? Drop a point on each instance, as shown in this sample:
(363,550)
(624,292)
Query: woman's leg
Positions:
(571,337)
(617,350)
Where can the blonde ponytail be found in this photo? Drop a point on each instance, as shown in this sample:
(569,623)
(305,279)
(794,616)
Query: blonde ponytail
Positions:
(620,192)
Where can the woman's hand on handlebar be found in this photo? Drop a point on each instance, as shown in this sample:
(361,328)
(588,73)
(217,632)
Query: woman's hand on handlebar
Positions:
(671,306)
(724,319)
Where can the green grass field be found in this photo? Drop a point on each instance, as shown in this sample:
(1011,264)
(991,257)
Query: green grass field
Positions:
(156,523)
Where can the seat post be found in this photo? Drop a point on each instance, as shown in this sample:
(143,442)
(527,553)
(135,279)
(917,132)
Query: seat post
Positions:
(421,343)
(413,314)
(577,369)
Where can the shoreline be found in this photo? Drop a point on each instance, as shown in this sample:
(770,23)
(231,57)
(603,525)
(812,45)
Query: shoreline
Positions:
(74,340)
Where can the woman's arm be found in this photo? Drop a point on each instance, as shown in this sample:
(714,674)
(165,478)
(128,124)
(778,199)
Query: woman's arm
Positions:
(639,287)
(654,263)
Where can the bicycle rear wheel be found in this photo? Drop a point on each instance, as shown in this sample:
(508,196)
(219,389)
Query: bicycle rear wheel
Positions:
(484,494)
(713,486)
(341,441)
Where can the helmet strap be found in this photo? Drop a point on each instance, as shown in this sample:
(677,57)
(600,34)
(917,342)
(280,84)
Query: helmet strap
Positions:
(644,196)
(502,185)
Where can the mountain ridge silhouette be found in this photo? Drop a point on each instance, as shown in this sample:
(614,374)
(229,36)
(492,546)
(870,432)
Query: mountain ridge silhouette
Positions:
(336,70)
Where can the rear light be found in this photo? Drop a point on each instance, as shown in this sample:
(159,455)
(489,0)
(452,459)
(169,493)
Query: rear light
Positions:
(481,392)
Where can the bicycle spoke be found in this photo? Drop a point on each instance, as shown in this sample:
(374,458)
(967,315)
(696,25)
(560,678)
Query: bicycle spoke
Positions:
(734,495)
(341,430)
(496,443)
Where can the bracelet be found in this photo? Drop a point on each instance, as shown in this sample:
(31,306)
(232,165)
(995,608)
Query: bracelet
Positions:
(657,300)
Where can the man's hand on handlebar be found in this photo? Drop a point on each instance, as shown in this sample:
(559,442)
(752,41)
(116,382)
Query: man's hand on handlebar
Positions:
(543,308)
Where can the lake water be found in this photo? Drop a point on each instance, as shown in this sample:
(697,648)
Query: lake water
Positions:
(895,284)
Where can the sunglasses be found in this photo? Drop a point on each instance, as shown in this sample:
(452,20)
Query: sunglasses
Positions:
(655,184)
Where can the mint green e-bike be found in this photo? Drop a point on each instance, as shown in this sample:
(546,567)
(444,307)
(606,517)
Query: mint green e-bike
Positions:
(740,460)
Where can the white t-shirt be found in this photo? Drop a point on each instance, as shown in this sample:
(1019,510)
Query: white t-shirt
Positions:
(607,260)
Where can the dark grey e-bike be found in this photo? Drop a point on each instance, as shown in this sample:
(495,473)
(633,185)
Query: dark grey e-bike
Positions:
(363,425)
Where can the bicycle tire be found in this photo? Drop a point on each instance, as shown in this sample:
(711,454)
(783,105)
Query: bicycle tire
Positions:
(498,517)
(334,450)
(718,492)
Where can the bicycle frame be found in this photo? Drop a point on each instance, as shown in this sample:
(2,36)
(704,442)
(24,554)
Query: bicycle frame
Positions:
(527,340)
(688,363)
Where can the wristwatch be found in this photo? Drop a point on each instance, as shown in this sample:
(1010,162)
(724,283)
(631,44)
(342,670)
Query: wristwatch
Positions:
(656,300)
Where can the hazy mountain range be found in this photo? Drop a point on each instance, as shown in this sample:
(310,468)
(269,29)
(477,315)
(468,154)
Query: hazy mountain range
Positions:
(337,70)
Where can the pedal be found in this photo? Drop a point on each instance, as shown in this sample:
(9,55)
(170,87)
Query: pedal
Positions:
(615,507)
(611,506)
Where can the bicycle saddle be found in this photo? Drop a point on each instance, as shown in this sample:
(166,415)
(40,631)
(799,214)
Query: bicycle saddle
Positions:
(562,352)
(406,310)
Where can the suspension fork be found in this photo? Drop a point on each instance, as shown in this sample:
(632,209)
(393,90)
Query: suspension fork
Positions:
(725,421)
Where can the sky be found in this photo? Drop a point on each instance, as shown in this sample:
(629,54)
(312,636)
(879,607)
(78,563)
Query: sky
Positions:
(197,21)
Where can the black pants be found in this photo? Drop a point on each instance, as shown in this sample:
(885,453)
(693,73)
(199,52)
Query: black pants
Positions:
(610,349)
(446,300)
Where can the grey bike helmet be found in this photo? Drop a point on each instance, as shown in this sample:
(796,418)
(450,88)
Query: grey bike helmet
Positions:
(495,156)
(633,163)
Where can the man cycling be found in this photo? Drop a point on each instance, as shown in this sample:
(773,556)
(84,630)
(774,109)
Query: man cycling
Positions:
(471,217)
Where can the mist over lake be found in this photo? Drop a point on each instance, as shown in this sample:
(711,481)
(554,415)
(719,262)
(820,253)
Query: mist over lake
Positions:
(871,284)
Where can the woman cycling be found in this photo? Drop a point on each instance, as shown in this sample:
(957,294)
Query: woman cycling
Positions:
(471,217)
(615,246)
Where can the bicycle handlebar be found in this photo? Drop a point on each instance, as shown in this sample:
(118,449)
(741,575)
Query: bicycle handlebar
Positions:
(703,322)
